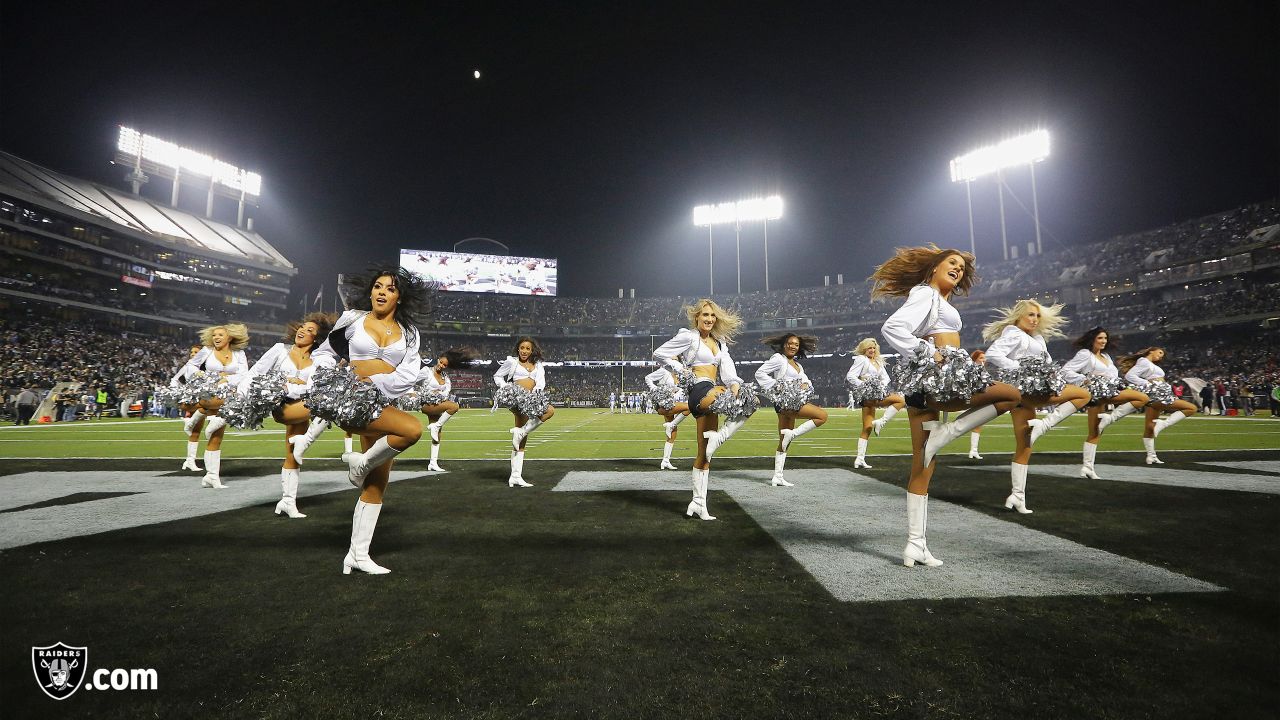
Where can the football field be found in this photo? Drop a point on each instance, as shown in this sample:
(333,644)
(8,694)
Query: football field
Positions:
(1147,594)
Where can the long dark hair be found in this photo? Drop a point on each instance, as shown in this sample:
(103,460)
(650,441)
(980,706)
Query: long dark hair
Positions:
(414,303)
(1085,341)
(808,344)
(459,358)
(324,323)
(1127,362)
(535,356)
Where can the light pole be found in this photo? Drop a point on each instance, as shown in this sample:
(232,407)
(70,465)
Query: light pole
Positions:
(751,210)
(1027,150)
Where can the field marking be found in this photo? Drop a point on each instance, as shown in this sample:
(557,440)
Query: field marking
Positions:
(1272,466)
(1156,475)
(161,496)
(848,531)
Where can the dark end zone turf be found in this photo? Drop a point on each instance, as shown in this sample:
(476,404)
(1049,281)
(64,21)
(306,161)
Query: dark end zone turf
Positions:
(528,603)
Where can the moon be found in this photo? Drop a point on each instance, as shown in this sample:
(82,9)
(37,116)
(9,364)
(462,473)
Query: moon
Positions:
(476,74)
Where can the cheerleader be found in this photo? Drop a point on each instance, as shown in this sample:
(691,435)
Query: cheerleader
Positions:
(1093,369)
(1019,355)
(292,361)
(1142,372)
(782,379)
(433,392)
(868,384)
(935,374)
(379,340)
(194,423)
(668,399)
(699,357)
(214,373)
(522,387)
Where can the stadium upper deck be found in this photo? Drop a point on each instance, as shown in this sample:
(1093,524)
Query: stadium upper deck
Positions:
(96,251)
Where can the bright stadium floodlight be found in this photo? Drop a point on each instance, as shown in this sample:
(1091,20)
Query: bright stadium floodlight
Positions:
(173,161)
(1026,150)
(749,210)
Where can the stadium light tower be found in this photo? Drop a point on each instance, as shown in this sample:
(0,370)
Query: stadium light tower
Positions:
(750,210)
(146,153)
(1026,150)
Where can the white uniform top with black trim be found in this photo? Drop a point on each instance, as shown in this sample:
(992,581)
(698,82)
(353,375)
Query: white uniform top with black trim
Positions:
(511,370)
(864,370)
(924,313)
(658,378)
(1014,344)
(277,359)
(1085,364)
(350,341)
(428,373)
(207,361)
(777,369)
(1143,373)
(686,350)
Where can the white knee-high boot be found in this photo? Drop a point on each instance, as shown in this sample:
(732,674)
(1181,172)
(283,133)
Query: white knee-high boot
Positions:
(435,458)
(1040,427)
(1086,467)
(670,427)
(1173,419)
(716,438)
(861,460)
(360,464)
(190,462)
(878,425)
(942,433)
(1150,445)
(917,520)
(789,435)
(434,428)
(347,444)
(517,470)
(1017,500)
(974,439)
(301,442)
(779,462)
(666,456)
(363,522)
(189,425)
(212,466)
(1106,419)
(701,478)
(215,424)
(518,434)
(289,493)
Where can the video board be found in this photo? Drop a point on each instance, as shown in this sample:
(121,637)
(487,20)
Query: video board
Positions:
(469,272)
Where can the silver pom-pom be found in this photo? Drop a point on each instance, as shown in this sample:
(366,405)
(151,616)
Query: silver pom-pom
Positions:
(1035,376)
(167,395)
(408,402)
(685,379)
(956,378)
(533,403)
(663,397)
(1103,387)
(247,410)
(872,390)
(344,399)
(724,404)
(202,386)
(1161,393)
(746,403)
(790,395)
(507,396)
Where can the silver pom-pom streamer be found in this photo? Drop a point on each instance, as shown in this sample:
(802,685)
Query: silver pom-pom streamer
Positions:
(344,399)
(957,378)
(724,403)
(408,402)
(1103,387)
(872,390)
(685,379)
(247,410)
(167,395)
(430,397)
(746,403)
(507,396)
(533,403)
(202,386)
(1161,393)
(790,395)
(663,397)
(1035,376)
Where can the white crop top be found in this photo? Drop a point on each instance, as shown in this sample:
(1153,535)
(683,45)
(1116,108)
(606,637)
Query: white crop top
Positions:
(429,374)
(277,359)
(511,370)
(402,354)
(658,378)
(1085,364)
(207,361)
(863,370)
(1014,344)
(777,369)
(924,313)
(1143,372)
(687,350)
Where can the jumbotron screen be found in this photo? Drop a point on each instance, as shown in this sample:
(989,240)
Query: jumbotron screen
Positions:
(468,272)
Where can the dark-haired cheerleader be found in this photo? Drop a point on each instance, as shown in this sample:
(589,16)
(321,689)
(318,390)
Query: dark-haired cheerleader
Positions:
(1093,369)
(433,389)
(1141,371)
(522,387)
(782,379)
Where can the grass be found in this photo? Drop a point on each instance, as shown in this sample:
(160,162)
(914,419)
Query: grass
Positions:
(533,603)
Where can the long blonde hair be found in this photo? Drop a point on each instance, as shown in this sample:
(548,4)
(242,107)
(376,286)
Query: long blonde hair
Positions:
(727,321)
(862,347)
(912,266)
(1051,319)
(237,333)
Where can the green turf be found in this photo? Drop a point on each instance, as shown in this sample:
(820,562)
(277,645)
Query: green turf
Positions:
(596,434)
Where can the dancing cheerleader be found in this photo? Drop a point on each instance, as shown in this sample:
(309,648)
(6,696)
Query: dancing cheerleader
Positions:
(868,384)
(194,423)
(699,357)
(379,340)
(782,379)
(670,401)
(433,394)
(1020,357)
(1142,372)
(212,375)
(935,374)
(1092,369)
(522,387)
(276,384)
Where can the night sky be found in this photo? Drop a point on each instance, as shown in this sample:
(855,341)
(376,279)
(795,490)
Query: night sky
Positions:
(596,127)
